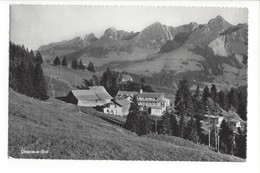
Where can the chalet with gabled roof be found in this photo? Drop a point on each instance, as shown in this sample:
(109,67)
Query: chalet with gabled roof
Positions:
(155,103)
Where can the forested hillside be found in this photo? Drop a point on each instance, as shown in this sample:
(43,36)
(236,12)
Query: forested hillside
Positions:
(25,72)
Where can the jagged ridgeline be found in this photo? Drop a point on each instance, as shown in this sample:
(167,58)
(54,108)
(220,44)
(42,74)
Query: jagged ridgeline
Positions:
(214,52)
(25,72)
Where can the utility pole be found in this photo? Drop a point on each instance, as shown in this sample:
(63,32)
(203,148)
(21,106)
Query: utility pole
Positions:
(61,73)
(156,125)
(218,142)
(50,84)
(209,130)
(216,138)
(53,92)
(209,137)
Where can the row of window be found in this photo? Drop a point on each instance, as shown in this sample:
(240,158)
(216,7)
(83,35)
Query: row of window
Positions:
(144,98)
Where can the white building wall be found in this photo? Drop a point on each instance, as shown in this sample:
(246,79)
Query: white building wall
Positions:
(157,112)
(114,110)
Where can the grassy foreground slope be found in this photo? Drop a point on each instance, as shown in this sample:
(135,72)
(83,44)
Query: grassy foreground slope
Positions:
(67,134)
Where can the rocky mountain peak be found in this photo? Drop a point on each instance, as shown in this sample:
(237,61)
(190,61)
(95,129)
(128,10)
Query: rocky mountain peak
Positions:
(111,29)
(89,38)
(78,38)
(155,35)
(218,24)
(193,26)
(156,24)
(115,34)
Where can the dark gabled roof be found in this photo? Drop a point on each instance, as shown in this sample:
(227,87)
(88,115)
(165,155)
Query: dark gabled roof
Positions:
(85,95)
(150,95)
(123,102)
(101,92)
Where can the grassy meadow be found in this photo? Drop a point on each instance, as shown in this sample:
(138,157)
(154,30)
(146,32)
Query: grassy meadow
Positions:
(65,133)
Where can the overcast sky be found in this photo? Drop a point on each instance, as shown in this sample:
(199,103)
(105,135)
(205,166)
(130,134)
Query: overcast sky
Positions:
(36,25)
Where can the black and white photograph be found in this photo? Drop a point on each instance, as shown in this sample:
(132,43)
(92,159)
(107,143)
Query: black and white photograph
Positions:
(128,83)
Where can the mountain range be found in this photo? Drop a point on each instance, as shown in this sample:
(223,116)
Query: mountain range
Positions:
(215,51)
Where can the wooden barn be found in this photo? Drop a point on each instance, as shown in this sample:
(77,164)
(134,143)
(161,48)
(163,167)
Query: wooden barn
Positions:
(95,96)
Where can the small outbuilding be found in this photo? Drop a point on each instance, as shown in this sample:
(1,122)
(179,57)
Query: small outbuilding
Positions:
(118,107)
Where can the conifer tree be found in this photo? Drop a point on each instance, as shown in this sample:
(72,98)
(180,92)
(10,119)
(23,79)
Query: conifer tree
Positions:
(56,62)
(197,104)
(209,105)
(105,79)
(91,67)
(110,81)
(242,110)
(132,117)
(142,81)
(226,137)
(64,62)
(182,127)
(96,80)
(232,98)
(38,58)
(183,105)
(39,83)
(24,69)
(242,106)
(240,150)
(198,110)
(192,131)
(206,93)
(81,65)
(28,81)
(223,102)
(213,93)
(143,123)
(214,96)
(21,76)
(166,123)
(74,64)
(174,127)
